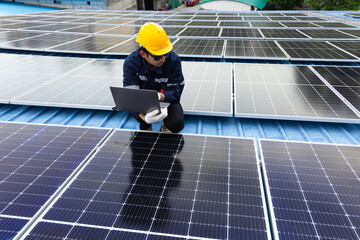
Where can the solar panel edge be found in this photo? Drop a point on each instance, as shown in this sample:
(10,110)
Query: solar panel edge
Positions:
(62,188)
(262,182)
(269,204)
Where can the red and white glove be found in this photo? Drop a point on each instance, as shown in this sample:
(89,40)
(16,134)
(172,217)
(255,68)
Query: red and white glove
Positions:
(156,116)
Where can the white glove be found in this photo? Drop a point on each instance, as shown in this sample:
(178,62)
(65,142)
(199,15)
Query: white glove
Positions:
(156,116)
(159,96)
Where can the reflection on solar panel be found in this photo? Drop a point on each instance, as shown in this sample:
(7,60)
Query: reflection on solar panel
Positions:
(207,89)
(35,160)
(174,22)
(352,47)
(16,35)
(286,92)
(315,51)
(283,34)
(124,48)
(326,34)
(41,42)
(313,188)
(253,49)
(346,80)
(91,44)
(240,33)
(200,32)
(80,89)
(53,27)
(199,48)
(88,29)
(168,185)
(312,19)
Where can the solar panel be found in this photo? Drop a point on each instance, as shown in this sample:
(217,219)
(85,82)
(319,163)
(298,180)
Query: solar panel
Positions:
(313,189)
(241,33)
(35,161)
(9,227)
(167,186)
(173,22)
(124,48)
(300,25)
(92,44)
(253,49)
(199,48)
(200,32)
(312,19)
(41,42)
(314,51)
(326,34)
(53,27)
(334,25)
(17,35)
(355,33)
(267,24)
(116,21)
(286,92)
(346,80)
(87,87)
(282,18)
(203,23)
(351,47)
(283,34)
(208,88)
(234,24)
(93,28)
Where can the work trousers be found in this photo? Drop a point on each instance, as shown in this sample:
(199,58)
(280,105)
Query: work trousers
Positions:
(174,121)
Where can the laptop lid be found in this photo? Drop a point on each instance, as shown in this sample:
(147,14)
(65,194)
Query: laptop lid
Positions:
(136,100)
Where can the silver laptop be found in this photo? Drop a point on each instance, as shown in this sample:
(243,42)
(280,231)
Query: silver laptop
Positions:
(136,100)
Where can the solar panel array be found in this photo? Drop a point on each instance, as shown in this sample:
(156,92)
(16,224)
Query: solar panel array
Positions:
(113,32)
(146,185)
(35,160)
(141,185)
(314,189)
(260,90)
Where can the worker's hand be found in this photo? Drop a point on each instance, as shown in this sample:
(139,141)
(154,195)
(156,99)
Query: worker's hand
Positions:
(156,116)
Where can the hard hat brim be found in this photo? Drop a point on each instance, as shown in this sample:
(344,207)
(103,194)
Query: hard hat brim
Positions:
(162,51)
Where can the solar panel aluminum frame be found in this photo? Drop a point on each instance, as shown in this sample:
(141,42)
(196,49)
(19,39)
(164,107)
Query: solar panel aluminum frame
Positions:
(266,183)
(69,179)
(40,218)
(305,38)
(357,112)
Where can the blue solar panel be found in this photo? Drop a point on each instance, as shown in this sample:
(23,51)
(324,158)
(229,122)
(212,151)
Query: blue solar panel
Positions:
(35,160)
(167,185)
(9,227)
(314,189)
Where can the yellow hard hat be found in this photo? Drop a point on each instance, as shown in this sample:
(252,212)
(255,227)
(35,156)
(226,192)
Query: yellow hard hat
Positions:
(154,39)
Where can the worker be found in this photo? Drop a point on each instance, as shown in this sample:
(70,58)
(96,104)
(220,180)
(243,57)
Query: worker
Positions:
(155,66)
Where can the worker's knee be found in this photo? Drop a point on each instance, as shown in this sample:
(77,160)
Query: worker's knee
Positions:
(175,127)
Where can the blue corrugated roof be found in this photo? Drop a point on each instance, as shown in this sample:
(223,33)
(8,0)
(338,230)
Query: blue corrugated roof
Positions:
(223,126)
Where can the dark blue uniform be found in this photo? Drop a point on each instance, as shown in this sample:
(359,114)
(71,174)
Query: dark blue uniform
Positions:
(167,79)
